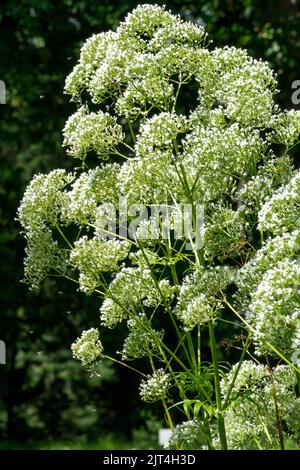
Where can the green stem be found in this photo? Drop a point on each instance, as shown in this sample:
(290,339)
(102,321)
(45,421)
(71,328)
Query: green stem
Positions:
(276,406)
(220,418)
(169,419)
(192,352)
(163,301)
(176,283)
(227,398)
(64,237)
(131,131)
(199,348)
(123,364)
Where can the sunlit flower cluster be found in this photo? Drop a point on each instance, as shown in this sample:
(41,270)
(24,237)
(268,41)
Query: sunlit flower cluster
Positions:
(280,212)
(94,256)
(287,128)
(274,309)
(197,300)
(156,386)
(142,339)
(130,290)
(250,420)
(86,131)
(88,348)
(88,191)
(188,435)
(43,200)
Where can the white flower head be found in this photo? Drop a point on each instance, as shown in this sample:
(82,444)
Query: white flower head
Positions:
(155,387)
(88,348)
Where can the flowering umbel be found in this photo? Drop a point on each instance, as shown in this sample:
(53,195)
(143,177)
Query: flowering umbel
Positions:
(88,348)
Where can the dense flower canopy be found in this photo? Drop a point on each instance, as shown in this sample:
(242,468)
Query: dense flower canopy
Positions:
(136,141)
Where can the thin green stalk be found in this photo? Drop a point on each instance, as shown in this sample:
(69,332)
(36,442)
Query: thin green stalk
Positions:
(213,347)
(276,406)
(163,300)
(124,364)
(131,131)
(64,237)
(169,419)
(199,348)
(192,352)
(227,398)
(190,357)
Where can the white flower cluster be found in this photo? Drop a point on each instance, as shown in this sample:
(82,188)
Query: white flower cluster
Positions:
(250,420)
(150,176)
(148,180)
(148,231)
(159,132)
(153,28)
(275,172)
(130,290)
(93,52)
(287,128)
(155,387)
(40,209)
(197,301)
(189,435)
(43,256)
(224,152)
(224,232)
(43,200)
(272,251)
(86,131)
(280,213)
(88,348)
(268,293)
(246,87)
(94,256)
(274,309)
(90,189)
(141,339)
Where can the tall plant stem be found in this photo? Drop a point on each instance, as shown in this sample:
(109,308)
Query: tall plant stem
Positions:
(169,419)
(175,279)
(213,347)
(276,407)
(131,131)
(199,348)
(245,348)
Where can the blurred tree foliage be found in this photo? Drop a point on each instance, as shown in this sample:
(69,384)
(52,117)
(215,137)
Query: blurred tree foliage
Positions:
(43,392)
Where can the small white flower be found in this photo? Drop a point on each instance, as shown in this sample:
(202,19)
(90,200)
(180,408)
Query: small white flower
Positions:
(88,348)
(155,387)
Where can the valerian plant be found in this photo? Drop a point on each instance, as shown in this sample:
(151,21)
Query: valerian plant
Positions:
(135,141)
